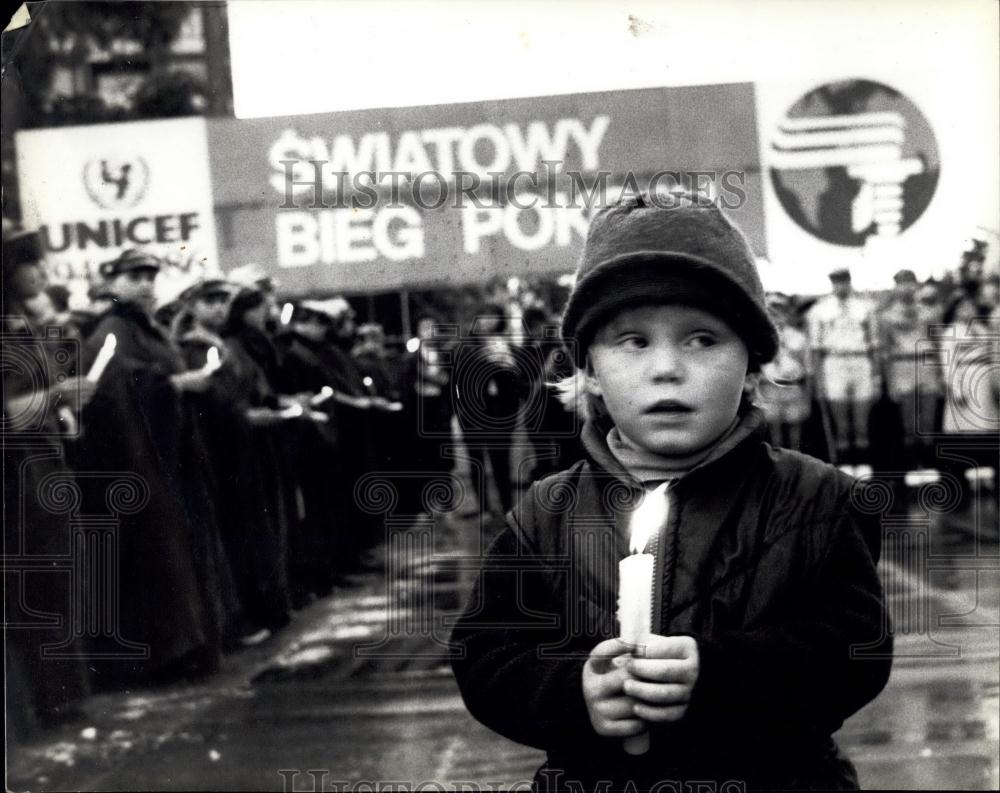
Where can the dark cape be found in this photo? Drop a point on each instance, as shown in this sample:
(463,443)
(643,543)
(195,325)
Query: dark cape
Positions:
(251,484)
(334,456)
(41,689)
(140,429)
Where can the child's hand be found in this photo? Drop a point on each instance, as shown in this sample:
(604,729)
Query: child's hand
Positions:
(661,680)
(611,713)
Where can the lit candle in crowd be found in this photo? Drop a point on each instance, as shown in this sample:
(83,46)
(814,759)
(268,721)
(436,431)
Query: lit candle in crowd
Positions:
(104,356)
(324,394)
(635,583)
(212,360)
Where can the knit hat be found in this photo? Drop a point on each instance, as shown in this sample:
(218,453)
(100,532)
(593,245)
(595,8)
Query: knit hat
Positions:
(675,249)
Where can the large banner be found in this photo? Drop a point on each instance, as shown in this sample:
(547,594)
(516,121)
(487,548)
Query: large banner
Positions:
(457,194)
(872,173)
(93,191)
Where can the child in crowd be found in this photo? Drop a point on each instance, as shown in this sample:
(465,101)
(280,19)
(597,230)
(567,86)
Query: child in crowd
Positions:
(769,621)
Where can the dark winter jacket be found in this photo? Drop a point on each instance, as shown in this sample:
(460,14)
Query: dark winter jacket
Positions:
(768,560)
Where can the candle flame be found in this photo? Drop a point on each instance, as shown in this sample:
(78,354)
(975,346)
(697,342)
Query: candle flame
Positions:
(648,518)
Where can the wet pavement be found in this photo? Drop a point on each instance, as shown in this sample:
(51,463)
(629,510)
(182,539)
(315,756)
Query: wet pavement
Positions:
(358,688)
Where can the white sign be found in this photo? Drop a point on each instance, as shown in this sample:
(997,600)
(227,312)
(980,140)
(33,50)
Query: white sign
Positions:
(94,191)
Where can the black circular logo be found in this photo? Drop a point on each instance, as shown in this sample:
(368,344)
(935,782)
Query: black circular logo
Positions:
(853,159)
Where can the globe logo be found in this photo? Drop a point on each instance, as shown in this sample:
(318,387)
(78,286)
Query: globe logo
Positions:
(854,159)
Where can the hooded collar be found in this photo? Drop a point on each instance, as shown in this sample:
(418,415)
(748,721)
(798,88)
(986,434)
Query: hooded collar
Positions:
(751,424)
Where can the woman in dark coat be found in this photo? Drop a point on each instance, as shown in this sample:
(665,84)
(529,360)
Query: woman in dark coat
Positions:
(252,480)
(141,423)
(40,690)
(343,450)
(253,601)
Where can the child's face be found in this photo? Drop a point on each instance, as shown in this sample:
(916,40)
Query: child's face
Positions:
(671,376)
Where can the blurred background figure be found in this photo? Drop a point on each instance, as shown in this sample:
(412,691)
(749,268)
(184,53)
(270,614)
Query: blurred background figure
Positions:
(784,393)
(842,337)
(551,428)
(41,692)
(488,387)
(905,330)
(425,391)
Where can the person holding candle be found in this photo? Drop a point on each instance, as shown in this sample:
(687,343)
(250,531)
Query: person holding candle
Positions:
(141,421)
(767,620)
(37,396)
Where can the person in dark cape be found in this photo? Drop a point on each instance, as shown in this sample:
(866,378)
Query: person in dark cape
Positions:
(316,358)
(381,370)
(41,690)
(427,410)
(252,604)
(258,534)
(140,422)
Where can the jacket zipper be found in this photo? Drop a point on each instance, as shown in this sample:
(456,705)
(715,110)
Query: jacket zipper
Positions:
(656,547)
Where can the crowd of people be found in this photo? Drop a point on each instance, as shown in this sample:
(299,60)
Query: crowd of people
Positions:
(248,423)
(874,380)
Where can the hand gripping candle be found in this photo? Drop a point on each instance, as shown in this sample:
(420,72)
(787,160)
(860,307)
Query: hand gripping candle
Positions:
(635,583)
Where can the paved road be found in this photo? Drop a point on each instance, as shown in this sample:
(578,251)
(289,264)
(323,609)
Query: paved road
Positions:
(356,688)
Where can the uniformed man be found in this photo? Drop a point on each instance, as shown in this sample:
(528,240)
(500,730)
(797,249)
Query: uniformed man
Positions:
(843,340)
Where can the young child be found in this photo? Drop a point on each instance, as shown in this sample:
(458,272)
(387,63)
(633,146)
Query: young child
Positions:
(769,622)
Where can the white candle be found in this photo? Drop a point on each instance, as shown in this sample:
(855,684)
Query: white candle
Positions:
(324,394)
(635,584)
(292,411)
(212,360)
(104,356)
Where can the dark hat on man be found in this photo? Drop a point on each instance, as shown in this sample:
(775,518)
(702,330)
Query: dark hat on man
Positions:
(128,261)
(676,249)
(905,276)
(840,275)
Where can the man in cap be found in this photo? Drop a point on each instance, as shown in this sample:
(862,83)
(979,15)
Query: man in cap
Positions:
(208,301)
(903,325)
(130,278)
(843,341)
(142,422)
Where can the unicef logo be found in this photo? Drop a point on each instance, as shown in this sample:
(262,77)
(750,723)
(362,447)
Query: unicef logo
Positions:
(116,182)
(854,159)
